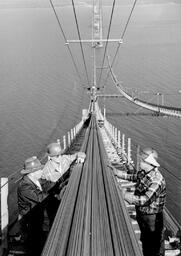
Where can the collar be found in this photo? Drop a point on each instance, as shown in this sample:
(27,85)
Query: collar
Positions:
(36,182)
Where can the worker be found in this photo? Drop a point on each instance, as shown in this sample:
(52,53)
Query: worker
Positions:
(57,164)
(31,205)
(149,200)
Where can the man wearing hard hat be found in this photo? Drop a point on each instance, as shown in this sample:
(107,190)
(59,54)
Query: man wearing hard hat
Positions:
(149,200)
(30,204)
(58,163)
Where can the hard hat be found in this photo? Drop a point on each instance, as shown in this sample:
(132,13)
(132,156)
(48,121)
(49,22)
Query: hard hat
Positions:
(54,149)
(31,164)
(149,156)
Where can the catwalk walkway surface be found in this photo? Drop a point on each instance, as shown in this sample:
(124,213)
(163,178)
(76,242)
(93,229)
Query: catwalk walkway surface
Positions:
(92,218)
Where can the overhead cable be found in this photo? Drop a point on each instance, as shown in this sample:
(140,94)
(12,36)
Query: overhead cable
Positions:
(78,31)
(70,52)
(110,22)
(122,37)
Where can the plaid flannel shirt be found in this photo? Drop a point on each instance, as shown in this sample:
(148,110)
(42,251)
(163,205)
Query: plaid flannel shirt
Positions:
(150,190)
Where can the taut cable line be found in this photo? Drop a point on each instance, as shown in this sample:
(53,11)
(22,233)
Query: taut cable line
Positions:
(78,31)
(122,37)
(62,31)
(109,29)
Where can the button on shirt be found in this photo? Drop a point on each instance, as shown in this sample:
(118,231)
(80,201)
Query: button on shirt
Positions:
(55,168)
(150,190)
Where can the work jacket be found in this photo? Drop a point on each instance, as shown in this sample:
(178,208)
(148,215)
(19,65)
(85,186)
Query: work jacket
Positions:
(29,197)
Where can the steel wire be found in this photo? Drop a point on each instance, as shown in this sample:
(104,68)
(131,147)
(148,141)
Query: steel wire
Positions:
(64,36)
(122,37)
(90,220)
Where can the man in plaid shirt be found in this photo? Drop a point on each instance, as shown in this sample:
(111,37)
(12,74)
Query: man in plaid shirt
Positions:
(149,200)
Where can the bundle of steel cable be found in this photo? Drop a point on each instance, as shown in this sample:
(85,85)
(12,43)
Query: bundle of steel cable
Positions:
(92,218)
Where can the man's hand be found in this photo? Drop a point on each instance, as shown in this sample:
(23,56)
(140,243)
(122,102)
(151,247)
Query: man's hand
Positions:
(123,190)
(116,172)
(129,197)
(81,157)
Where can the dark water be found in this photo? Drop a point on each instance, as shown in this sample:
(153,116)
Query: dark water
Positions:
(41,97)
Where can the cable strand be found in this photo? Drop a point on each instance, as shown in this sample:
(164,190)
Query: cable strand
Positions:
(62,31)
(78,31)
(109,29)
(122,37)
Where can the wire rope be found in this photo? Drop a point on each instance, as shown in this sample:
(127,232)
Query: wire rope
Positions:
(78,31)
(64,36)
(109,29)
(122,37)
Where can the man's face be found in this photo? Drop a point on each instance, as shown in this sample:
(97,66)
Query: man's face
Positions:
(56,158)
(143,164)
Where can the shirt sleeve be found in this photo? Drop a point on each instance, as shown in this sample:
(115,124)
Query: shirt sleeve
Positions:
(46,171)
(151,193)
(66,161)
(72,157)
(126,176)
(51,172)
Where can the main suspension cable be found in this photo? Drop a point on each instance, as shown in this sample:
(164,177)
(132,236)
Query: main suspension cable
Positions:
(78,31)
(70,52)
(110,22)
(122,37)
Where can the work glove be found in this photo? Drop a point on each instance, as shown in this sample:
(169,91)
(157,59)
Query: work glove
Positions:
(81,157)
(118,173)
(129,197)
(130,167)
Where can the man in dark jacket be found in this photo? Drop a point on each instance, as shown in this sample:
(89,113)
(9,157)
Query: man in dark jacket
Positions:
(31,204)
